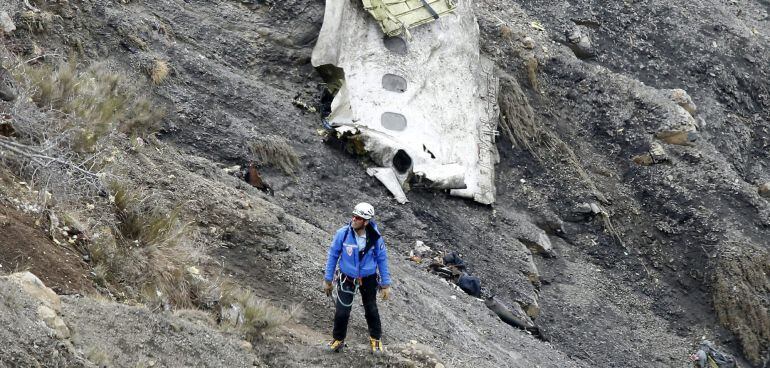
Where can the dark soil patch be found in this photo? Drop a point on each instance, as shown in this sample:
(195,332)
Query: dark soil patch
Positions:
(24,246)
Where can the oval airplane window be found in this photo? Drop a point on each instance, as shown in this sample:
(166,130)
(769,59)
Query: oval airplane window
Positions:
(393,83)
(393,121)
(396,45)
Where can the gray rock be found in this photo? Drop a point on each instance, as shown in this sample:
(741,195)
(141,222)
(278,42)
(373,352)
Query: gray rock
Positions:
(7,90)
(764,190)
(6,23)
(683,99)
(579,41)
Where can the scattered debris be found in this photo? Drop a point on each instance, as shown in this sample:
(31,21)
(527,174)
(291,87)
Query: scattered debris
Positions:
(708,356)
(251,176)
(420,252)
(655,155)
(303,105)
(387,176)
(507,315)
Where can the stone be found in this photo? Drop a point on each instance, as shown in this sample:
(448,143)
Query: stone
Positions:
(439,365)
(643,160)
(6,23)
(528,43)
(232,315)
(245,345)
(532,310)
(36,289)
(656,155)
(7,89)
(420,249)
(579,41)
(764,190)
(684,100)
(54,322)
(657,152)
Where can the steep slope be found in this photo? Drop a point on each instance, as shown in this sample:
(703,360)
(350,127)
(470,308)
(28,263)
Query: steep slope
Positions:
(677,253)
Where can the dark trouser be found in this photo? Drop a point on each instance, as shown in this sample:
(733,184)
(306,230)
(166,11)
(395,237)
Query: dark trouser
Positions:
(345,294)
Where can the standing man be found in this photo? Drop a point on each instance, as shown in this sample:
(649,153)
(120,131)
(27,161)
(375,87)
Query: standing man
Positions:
(360,251)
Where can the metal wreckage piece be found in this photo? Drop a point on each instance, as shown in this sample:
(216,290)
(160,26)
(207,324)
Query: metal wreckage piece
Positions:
(396,16)
(425,110)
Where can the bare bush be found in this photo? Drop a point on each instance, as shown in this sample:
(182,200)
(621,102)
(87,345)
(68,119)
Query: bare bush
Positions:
(256,315)
(276,151)
(146,254)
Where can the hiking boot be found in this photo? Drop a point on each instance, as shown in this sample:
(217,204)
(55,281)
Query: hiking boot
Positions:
(336,346)
(376,345)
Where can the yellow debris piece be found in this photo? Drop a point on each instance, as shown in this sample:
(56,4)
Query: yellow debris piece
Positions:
(397,16)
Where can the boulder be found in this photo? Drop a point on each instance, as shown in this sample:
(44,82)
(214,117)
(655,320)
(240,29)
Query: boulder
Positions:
(36,289)
(54,322)
(49,310)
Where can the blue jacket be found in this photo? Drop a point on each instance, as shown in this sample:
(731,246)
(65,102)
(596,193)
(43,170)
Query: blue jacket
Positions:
(351,260)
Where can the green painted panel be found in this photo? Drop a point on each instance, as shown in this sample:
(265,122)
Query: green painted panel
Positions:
(397,16)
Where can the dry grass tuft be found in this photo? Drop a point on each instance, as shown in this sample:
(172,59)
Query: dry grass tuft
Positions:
(506,32)
(146,254)
(96,100)
(276,151)
(256,316)
(37,22)
(99,357)
(532,66)
(159,71)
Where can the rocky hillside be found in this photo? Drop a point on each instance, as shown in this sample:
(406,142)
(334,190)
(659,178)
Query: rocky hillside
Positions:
(632,207)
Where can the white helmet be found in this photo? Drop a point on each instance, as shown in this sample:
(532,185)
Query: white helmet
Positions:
(364,210)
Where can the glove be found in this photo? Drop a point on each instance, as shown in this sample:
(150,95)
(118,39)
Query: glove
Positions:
(328,288)
(385,292)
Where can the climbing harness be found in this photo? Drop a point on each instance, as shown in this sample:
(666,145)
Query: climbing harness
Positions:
(341,279)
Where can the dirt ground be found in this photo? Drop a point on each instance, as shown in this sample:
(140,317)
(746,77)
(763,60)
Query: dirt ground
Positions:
(634,286)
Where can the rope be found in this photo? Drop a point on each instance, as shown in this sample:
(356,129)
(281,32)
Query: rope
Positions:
(341,288)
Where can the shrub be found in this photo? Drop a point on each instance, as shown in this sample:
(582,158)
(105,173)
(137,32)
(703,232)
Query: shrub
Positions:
(276,151)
